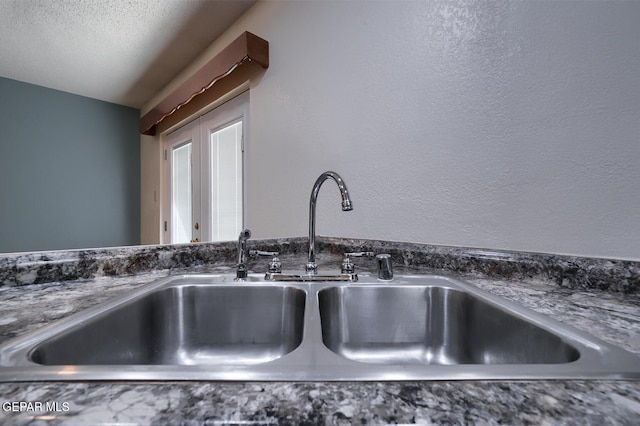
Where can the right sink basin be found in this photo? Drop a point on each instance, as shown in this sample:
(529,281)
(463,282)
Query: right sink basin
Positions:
(413,325)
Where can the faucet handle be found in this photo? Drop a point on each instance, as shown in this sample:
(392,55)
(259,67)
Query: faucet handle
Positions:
(347,265)
(275,267)
(256,253)
(360,254)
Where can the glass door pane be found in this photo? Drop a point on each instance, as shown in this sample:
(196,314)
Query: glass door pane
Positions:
(181,194)
(226,182)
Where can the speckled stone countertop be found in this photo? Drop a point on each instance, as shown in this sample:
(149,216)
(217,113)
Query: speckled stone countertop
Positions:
(613,316)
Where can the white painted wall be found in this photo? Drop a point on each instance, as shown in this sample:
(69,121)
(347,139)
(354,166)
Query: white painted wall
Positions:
(494,124)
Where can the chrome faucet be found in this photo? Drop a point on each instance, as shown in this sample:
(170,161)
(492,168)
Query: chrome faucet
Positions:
(312,267)
(243,254)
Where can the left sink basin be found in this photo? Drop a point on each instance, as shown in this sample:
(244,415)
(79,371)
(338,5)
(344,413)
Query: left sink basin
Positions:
(235,324)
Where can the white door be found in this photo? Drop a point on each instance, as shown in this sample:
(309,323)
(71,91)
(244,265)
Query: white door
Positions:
(205,176)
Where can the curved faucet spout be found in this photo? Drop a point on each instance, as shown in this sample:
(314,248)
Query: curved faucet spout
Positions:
(311,266)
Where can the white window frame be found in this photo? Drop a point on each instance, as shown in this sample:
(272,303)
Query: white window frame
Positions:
(198,131)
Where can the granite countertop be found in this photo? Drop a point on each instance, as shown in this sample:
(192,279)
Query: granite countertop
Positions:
(611,316)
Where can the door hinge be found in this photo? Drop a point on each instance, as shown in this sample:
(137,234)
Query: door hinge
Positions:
(165,155)
(165,226)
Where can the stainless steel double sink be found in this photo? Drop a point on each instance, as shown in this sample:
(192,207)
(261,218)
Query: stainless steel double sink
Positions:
(209,327)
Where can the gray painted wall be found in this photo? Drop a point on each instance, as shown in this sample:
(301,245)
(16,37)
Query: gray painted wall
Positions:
(69,170)
(495,124)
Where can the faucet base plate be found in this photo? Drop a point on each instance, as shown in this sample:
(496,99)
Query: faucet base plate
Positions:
(270,276)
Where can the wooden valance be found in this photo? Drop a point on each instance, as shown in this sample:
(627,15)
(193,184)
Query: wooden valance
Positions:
(246,51)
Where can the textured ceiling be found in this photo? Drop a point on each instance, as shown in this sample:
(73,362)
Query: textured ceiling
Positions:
(121,51)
